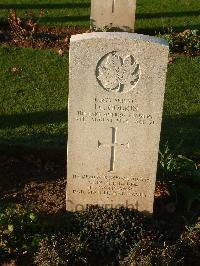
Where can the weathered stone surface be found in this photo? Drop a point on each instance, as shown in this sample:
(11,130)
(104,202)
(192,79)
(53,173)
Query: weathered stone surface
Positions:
(117,83)
(118,14)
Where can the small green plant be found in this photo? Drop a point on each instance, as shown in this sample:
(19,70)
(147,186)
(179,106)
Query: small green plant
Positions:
(105,28)
(152,253)
(182,176)
(18,231)
(187,42)
(192,237)
(109,232)
(185,251)
(61,249)
(168,161)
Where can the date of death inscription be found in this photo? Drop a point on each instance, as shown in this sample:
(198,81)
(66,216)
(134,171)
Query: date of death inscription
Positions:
(109,185)
(115,110)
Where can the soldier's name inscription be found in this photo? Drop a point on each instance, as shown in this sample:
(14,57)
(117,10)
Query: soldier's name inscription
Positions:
(115,110)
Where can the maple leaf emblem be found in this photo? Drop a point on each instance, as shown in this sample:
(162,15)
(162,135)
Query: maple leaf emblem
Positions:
(118,74)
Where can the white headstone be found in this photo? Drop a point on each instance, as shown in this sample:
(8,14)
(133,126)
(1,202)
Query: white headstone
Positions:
(114,14)
(116,93)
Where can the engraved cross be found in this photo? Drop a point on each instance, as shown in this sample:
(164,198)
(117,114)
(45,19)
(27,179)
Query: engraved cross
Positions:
(113,146)
(113,6)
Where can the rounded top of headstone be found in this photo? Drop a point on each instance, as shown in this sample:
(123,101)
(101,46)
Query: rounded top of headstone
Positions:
(118,35)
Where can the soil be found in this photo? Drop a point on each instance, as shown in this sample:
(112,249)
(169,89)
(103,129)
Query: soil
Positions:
(34,180)
(56,38)
(27,34)
(38,179)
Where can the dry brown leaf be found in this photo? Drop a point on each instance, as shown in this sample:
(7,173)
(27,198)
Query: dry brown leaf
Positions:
(60,52)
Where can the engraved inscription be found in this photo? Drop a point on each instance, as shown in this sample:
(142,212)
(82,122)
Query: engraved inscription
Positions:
(117,74)
(112,146)
(111,185)
(115,110)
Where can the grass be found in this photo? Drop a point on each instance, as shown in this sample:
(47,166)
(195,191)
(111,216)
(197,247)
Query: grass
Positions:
(57,12)
(157,16)
(152,16)
(182,105)
(33,100)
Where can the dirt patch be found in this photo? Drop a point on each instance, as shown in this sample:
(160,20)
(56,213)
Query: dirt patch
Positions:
(38,179)
(34,180)
(56,38)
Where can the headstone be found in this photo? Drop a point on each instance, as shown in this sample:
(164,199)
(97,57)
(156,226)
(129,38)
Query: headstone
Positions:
(113,14)
(116,93)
